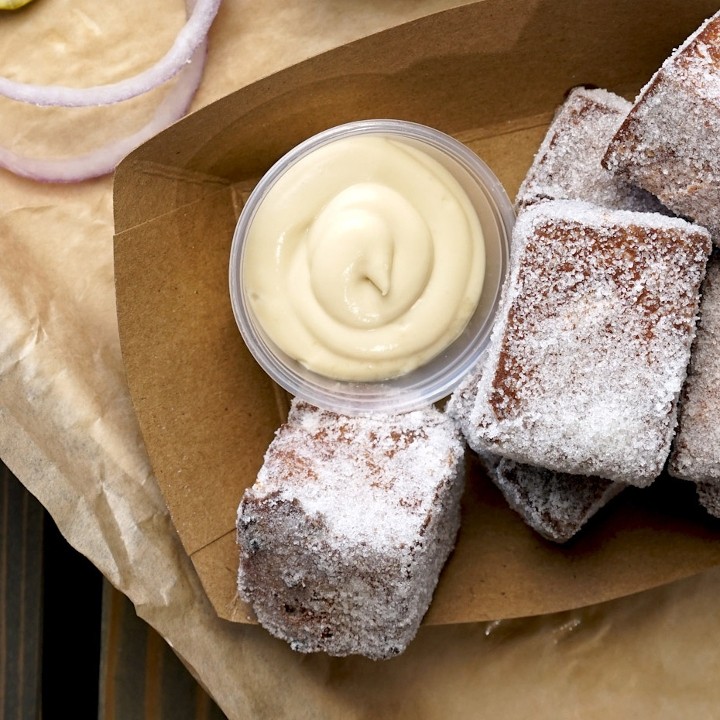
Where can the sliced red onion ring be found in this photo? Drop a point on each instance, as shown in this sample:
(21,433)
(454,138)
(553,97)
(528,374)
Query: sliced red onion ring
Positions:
(104,159)
(187,41)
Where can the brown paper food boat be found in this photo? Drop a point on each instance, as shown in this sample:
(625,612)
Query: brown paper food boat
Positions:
(490,73)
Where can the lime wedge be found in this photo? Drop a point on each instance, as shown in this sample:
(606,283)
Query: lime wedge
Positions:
(13,4)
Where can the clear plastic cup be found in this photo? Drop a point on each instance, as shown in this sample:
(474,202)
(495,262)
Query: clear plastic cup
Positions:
(438,377)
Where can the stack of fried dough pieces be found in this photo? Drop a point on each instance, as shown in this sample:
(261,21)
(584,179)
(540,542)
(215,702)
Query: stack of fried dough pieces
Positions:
(553,459)
(670,145)
(590,352)
(344,534)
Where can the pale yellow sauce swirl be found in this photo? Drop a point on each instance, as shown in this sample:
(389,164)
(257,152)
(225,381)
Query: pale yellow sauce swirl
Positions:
(365,259)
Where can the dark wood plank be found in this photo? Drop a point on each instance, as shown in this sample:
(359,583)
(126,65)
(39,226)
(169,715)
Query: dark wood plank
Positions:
(72,606)
(21,599)
(140,676)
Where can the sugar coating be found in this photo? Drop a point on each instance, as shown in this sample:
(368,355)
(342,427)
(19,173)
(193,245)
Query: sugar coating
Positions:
(669,144)
(345,532)
(696,449)
(568,163)
(590,348)
(555,505)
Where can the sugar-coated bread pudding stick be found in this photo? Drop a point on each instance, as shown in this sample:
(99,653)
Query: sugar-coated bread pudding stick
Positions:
(555,505)
(591,345)
(669,143)
(696,450)
(345,532)
(567,166)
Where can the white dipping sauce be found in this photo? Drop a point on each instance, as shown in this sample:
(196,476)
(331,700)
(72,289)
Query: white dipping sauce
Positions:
(365,259)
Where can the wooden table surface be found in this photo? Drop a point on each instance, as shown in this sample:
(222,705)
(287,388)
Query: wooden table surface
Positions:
(85,654)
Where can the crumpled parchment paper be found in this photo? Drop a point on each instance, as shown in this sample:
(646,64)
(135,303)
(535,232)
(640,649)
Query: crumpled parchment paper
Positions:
(67,428)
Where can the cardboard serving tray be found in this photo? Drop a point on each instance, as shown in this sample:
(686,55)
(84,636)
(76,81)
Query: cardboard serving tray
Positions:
(490,73)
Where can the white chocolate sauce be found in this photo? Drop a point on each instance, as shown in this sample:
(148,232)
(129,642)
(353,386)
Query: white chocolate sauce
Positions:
(365,259)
